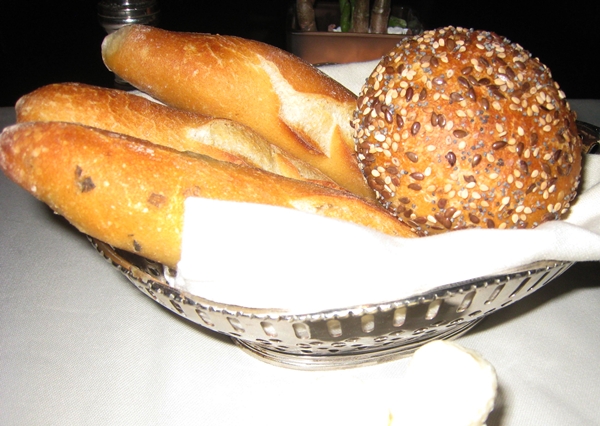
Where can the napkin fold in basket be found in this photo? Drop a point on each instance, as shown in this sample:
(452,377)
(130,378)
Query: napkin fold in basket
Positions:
(259,256)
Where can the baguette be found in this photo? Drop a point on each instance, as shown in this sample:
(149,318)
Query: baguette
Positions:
(286,100)
(133,115)
(130,193)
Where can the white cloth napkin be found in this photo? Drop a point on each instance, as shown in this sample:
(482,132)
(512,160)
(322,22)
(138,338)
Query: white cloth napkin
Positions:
(276,258)
(352,76)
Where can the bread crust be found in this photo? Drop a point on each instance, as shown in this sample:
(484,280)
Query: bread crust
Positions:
(130,193)
(284,99)
(136,116)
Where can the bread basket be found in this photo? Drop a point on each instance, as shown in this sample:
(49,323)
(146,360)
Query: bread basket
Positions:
(342,337)
(346,336)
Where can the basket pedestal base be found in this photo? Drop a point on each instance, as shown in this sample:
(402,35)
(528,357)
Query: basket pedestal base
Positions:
(337,362)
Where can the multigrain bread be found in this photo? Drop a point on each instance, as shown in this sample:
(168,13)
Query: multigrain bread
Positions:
(284,99)
(459,128)
(130,193)
(133,115)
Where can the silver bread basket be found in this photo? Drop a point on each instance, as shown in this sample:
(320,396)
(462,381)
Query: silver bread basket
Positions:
(346,337)
(343,337)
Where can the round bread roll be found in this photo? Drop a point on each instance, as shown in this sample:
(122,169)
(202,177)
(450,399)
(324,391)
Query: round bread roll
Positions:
(457,128)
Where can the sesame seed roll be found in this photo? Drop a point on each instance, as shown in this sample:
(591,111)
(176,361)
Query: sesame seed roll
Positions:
(457,128)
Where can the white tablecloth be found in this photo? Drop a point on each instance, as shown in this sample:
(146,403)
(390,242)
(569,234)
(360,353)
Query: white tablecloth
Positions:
(80,345)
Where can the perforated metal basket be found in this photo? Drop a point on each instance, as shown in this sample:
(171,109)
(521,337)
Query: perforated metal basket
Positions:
(341,337)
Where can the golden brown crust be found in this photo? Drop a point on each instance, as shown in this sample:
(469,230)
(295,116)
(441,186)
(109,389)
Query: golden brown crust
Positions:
(130,193)
(129,114)
(284,99)
(459,128)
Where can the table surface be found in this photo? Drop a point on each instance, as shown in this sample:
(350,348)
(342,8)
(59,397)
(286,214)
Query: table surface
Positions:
(79,344)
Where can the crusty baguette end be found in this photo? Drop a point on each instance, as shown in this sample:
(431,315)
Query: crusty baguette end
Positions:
(283,98)
(130,193)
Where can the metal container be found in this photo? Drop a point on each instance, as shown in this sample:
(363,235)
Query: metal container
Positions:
(328,47)
(114,14)
(343,336)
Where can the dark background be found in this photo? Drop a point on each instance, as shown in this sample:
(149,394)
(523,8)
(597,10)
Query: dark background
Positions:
(44,41)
